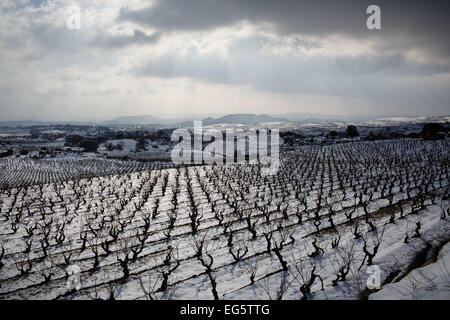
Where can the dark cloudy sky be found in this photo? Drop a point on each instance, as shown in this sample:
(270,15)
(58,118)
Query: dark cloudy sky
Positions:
(210,57)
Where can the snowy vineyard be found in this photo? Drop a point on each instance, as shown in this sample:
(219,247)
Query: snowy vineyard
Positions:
(223,232)
(27,171)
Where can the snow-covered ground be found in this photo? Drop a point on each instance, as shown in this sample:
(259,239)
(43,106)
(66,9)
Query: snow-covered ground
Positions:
(227,232)
(431,281)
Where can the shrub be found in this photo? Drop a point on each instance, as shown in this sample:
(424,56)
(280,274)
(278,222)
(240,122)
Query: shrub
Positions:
(89,145)
(352,131)
(433,131)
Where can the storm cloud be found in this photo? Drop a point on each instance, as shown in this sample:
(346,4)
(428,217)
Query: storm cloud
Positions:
(377,77)
(215,56)
(418,23)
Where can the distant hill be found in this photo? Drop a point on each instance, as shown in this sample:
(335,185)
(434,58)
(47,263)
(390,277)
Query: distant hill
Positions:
(31,123)
(231,118)
(310,117)
(24,123)
(403,120)
(135,120)
(244,118)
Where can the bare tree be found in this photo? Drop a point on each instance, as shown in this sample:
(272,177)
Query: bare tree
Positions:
(22,263)
(238,250)
(375,237)
(304,273)
(283,235)
(317,250)
(2,254)
(341,261)
(252,267)
(204,248)
(282,286)
(169,266)
(150,289)
(123,257)
(445,203)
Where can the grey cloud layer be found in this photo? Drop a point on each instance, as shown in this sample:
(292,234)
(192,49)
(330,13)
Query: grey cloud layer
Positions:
(289,16)
(138,38)
(406,64)
(417,22)
(375,76)
(384,75)
(61,39)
